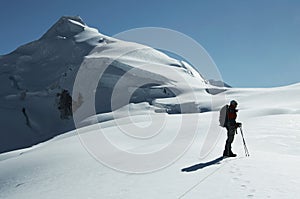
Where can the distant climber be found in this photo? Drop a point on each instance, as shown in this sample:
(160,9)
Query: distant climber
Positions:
(228,116)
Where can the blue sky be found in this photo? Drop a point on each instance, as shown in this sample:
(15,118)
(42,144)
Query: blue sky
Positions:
(254,43)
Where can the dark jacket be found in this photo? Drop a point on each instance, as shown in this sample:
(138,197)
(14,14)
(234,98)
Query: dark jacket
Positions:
(231,117)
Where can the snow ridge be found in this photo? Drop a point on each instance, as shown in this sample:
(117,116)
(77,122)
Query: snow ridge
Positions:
(65,27)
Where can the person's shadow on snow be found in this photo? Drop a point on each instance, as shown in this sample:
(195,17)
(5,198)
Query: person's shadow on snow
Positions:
(202,165)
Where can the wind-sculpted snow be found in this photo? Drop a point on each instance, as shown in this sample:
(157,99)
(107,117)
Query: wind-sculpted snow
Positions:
(52,169)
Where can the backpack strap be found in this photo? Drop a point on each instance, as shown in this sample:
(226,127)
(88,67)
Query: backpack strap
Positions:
(227,116)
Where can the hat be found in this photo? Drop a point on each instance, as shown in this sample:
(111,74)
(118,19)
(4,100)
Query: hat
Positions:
(233,102)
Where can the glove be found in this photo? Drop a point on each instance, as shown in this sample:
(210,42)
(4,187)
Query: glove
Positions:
(238,124)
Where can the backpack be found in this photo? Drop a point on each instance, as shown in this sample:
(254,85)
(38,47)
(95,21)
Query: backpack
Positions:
(223,117)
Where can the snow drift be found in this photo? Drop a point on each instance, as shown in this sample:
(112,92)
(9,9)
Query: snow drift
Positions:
(62,167)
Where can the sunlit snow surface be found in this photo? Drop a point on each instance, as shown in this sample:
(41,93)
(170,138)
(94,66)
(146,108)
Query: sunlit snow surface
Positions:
(62,168)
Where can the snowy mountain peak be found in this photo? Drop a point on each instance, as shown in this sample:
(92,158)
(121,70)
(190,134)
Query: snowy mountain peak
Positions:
(66,26)
(37,81)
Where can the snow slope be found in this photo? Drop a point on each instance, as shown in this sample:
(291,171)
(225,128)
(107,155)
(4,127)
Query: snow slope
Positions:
(62,168)
(34,77)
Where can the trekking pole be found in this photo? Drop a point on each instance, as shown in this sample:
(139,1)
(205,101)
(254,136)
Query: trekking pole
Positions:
(245,146)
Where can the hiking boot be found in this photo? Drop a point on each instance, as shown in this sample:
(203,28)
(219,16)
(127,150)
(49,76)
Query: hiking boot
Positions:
(232,154)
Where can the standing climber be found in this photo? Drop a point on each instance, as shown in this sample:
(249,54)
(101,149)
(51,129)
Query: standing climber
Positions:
(231,126)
